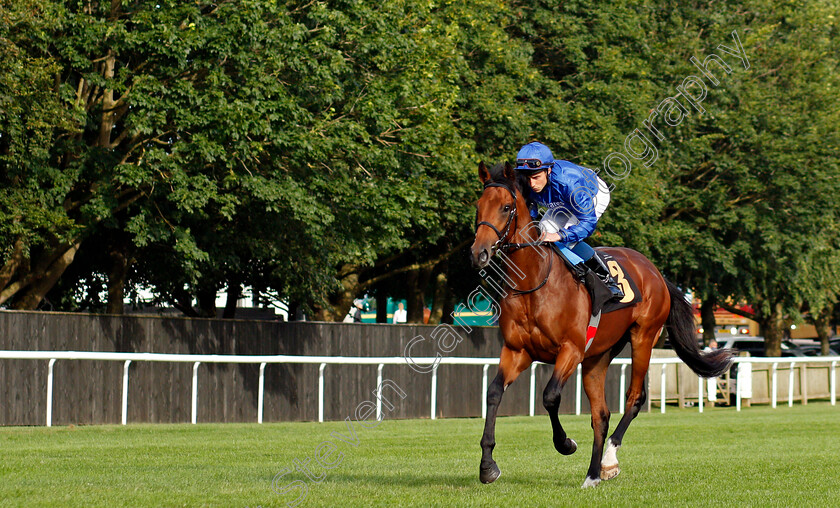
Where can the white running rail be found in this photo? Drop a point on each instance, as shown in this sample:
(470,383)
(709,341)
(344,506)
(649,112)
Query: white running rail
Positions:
(323,361)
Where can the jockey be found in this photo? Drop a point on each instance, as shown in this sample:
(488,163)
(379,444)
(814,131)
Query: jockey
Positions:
(575,199)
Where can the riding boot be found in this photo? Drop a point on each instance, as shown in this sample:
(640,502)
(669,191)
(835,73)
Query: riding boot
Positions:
(597,265)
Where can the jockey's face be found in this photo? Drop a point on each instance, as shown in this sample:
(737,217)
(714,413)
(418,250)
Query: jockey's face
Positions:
(539,180)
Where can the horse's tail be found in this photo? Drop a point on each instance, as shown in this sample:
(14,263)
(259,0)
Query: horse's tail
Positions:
(680,325)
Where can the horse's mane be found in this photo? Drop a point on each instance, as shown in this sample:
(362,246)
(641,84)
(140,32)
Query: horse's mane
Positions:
(520,182)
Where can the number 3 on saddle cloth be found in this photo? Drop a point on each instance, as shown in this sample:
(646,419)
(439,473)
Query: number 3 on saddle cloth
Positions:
(598,291)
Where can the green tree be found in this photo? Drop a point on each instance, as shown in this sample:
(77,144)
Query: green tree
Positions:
(749,185)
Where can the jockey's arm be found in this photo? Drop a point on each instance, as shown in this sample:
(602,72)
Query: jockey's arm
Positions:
(550,237)
(580,231)
(583,207)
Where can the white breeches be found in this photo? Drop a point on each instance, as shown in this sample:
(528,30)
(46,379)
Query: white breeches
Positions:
(557,219)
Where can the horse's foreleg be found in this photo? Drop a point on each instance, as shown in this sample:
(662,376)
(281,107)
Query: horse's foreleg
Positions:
(511,365)
(565,364)
(594,373)
(489,471)
(636,397)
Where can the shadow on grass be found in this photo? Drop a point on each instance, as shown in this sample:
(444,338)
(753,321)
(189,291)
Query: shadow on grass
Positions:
(460,481)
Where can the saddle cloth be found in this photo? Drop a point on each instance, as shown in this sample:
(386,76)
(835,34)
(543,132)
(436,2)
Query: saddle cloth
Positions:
(600,294)
(598,291)
(632,295)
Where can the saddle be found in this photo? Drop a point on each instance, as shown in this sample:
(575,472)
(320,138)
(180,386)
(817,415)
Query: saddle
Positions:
(599,294)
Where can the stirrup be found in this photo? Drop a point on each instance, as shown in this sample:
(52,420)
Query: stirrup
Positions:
(615,289)
(597,265)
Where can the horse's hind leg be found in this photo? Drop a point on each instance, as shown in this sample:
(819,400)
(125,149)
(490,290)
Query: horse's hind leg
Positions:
(594,373)
(636,397)
(511,364)
(565,364)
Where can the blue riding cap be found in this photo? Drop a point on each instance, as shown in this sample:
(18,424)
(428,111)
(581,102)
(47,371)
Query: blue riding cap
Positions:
(534,156)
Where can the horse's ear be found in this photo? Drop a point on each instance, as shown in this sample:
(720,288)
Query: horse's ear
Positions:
(510,174)
(483,174)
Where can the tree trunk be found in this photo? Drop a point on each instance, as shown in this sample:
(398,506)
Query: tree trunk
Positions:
(822,324)
(256,291)
(183,302)
(448,308)
(11,266)
(416,282)
(40,287)
(772,328)
(234,293)
(350,285)
(293,310)
(381,308)
(206,302)
(707,319)
(28,275)
(106,124)
(340,302)
(439,299)
(116,282)
(413,310)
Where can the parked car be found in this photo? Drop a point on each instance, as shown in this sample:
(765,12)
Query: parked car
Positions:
(752,344)
(817,351)
(755,345)
(814,348)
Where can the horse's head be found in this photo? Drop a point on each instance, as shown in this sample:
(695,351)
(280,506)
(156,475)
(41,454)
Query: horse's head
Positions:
(498,208)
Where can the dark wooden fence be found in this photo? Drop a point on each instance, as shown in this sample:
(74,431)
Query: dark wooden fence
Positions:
(89,392)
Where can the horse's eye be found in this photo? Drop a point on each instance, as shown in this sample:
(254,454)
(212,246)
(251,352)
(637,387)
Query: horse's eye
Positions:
(506,208)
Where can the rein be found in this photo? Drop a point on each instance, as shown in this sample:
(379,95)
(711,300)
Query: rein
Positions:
(502,245)
(517,292)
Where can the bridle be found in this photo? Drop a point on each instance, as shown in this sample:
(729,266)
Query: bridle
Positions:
(503,245)
(500,243)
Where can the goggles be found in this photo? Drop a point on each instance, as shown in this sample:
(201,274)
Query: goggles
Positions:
(529,164)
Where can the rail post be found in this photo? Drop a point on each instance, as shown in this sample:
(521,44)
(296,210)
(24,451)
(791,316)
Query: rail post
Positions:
(50,391)
(790,386)
(379,387)
(434,391)
(321,392)
(195,392)
(261,395)
(125,392)
(700,382)
(622,388)
(484,391)
(662,387)
(533,394)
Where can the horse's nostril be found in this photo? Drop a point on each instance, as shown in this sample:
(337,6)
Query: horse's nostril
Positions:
(483,257)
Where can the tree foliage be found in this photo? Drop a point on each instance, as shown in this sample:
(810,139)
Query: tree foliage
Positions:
(316,151)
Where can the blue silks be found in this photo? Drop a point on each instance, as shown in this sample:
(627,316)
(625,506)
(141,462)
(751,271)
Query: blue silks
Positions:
(576,255)
(583,250)
(567,253)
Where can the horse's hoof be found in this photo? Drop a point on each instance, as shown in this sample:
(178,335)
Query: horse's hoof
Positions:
(610,472)
(569,447)
(490,474)
(590,482)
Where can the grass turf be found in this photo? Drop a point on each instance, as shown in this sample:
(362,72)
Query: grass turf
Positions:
(759,457)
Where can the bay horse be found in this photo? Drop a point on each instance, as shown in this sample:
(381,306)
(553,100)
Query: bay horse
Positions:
(545,318)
